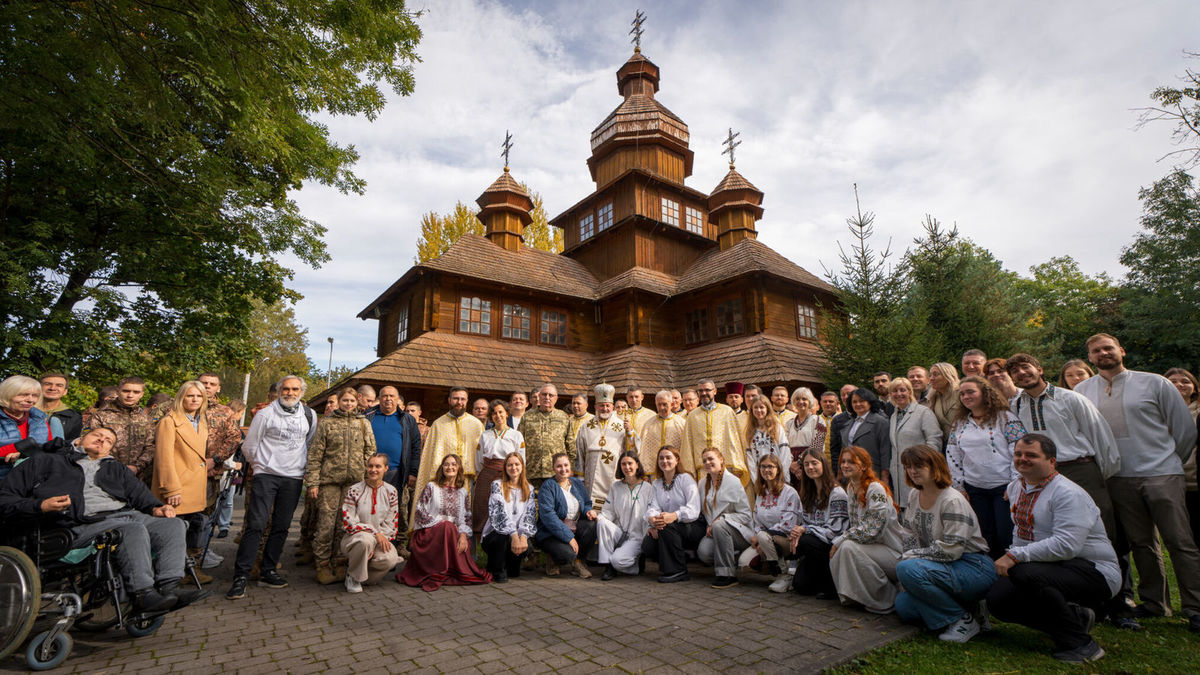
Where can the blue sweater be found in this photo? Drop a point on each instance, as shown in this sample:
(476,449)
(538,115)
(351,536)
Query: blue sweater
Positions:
(552,509)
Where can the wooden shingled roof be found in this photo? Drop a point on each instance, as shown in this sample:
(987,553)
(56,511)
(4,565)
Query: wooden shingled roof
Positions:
(734,181)
(476,257)
(749,255)
(438,359)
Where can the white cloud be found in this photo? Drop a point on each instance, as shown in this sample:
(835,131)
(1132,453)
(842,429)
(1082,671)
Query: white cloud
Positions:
(1013,120)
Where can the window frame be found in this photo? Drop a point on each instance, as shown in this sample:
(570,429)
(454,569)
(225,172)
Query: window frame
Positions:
(542,331)
(702,327)
(402,315)
(504,316)
(739,327)
(590,220)
(806,321)
(664,211)
(688,211)
(604,217)
(485,315)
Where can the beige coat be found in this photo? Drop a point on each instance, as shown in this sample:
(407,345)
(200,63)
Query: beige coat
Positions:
(179,466)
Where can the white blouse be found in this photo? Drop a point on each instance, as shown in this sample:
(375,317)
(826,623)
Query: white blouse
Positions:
(494,445)
(682,498)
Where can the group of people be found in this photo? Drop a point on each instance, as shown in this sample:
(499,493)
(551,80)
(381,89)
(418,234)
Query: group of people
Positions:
(940,497)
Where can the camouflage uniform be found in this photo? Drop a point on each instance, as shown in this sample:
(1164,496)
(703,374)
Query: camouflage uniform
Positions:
(546,434)
(135,435)
(337,459)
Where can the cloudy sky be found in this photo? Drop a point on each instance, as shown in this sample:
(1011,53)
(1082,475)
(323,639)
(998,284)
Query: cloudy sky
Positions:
(1015,120)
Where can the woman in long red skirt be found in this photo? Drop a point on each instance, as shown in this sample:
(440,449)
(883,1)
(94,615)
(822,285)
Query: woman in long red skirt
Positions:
(440,544)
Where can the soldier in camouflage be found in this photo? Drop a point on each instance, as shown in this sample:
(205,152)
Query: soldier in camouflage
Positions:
(135,431)
(337,459)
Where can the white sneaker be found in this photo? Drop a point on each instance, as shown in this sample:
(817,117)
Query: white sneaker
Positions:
(962,630)
(211,559)
(781,584)
(352,586)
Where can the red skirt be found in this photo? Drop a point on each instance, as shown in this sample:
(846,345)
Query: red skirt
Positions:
(435,560)
(483,491)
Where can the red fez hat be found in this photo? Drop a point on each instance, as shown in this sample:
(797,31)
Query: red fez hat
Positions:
(734,388)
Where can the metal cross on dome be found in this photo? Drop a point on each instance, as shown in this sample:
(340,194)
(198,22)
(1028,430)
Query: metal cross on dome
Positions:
(505,147)
(731,143)
(636,32)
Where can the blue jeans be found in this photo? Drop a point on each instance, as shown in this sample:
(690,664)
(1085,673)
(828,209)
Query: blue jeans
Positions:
(225,510)
(937,592)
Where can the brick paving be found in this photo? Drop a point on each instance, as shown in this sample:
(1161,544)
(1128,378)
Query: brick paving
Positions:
(534,624)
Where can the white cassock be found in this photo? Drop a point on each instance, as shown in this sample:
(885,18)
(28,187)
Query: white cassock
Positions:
(622,525)
(600,442)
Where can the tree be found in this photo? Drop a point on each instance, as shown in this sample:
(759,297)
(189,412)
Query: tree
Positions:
(871,328)
(1181,106)
(1160,300)
(279,344)
(969,299)
(146,155)
(1067,306)
(438,233)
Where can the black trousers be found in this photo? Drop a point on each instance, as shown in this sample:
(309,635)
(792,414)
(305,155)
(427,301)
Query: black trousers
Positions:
(671,547)
(812,569)
(995,519)
(1035,594)
(273,497)
(1087,476)
(560,551)
(500,557)
(197,529)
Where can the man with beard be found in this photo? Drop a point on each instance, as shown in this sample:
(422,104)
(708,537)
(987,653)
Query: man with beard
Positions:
(829,410)
(276,447)
(600,442)
(713,425)
(779,405)
(1155,434)
(547,432)
(135,431)
(1087,452)
(882,381)
(733,397)
(455,433)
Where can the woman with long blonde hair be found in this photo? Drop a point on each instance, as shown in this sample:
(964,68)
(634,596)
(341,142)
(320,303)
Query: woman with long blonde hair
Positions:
(511,520)
(943,395)
(181,464)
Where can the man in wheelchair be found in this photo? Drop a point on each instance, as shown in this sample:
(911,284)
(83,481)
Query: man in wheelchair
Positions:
(91,492)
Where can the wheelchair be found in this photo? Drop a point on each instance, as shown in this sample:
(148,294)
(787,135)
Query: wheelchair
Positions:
(48,588)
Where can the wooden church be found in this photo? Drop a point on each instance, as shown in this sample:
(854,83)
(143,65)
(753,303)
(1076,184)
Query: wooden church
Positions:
(658,285)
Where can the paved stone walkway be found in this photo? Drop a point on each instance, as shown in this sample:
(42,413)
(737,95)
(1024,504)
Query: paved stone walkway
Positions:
(533,624)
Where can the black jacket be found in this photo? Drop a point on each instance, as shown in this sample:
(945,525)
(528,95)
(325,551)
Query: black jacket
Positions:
(72,423)
(410,462)
(52,474)
(873,435)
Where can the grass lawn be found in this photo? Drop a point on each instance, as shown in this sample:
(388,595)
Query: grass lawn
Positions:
(1165,646)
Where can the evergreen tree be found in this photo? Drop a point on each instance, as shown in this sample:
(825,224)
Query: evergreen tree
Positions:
(871,328)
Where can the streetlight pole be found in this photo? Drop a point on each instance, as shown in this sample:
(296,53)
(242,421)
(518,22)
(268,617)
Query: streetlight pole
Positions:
(329,370)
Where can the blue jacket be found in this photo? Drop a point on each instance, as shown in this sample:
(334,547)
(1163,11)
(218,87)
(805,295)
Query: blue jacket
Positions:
(552,509)
(40,430)
(410,457)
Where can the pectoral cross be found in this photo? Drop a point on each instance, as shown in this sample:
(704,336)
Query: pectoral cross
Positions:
(505,147)
(731,144)
(636,32)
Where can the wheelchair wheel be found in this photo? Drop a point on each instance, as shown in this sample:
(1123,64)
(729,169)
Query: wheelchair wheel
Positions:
(142,626)
(44,655)
(20,598)
(100,610)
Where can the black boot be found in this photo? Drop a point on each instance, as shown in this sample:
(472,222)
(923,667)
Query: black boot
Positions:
(182,598)
(610,573)
(773,568)
(151,600)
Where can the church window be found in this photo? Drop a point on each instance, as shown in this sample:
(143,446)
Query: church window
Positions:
(695,220)
(695,327)
(806,321)
(475,316)
(554,327)
(402,325)
(515,322)
(729,318)
(585,227)
(604,217)
(670,212)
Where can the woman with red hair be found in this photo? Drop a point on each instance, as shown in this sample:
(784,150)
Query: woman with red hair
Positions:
(863,560)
